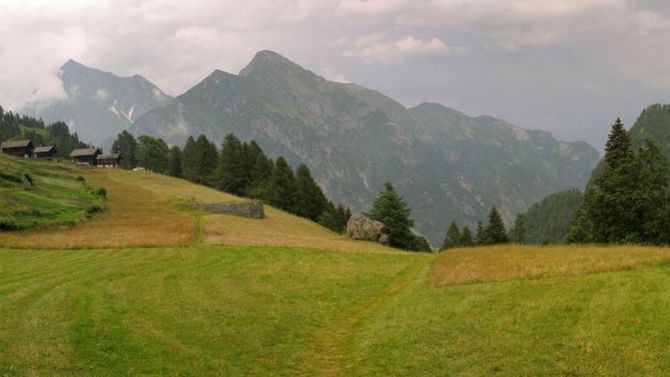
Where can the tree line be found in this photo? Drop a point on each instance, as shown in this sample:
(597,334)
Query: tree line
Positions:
(14,126)
(239,168)
(493,233)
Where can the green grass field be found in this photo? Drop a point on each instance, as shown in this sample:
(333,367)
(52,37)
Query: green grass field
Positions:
(151,288)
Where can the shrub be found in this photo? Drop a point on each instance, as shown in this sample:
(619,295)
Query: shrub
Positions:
(8,223)
(81,179)
(93,208)
(101,192)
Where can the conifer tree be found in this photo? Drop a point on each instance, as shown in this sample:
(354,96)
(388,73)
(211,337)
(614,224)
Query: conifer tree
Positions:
(518,232)
(282,188)
(495,232)
(126,145)
(232,174)
(174,164)
(199,160)
(452,238)
(391,210)
(479,235)
(618,145)
(466,237)
(311,200)
(260,171)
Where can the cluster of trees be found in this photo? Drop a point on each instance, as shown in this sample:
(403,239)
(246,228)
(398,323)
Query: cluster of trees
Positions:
(390,209)
(240,168)
(547,221)
(493,233)
(629,199)
(14,126)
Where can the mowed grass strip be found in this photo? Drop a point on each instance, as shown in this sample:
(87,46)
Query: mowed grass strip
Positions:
(206,310)
(507,262)
(606,324)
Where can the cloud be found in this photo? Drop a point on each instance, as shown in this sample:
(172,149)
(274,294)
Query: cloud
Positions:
(330,75)
(388,50)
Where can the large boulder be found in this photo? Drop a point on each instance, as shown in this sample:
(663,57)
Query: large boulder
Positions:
(360,227)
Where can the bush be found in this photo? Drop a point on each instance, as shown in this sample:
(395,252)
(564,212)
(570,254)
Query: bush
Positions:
(93,208)
(81,179)
(8,223)
(101,192)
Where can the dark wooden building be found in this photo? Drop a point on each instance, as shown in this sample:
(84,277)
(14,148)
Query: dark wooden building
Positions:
(21,148)
(85,156)
(110,160)
(47,152)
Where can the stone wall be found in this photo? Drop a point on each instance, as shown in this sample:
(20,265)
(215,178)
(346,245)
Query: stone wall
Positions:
(252,210)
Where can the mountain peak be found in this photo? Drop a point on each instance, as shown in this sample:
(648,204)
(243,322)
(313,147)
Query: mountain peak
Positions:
(269,62)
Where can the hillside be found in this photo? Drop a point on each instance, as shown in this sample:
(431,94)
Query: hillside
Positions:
(151,287)
(548,221)
(98,104)
(449,166)
(43,195)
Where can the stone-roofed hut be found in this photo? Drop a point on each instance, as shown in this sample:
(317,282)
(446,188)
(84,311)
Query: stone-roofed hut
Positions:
(85,156)
(20,148)
(110,160)
(47,152)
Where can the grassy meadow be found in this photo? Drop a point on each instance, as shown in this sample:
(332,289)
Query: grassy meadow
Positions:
(150,287)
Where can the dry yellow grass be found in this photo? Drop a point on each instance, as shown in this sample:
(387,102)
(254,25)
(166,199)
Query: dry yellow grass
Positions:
(530,262)
(145,209)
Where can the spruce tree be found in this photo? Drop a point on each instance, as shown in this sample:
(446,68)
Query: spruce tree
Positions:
(282,188)
(125,145)
(199,160)
(311,200)
(618,145)
(188,168)
(452,238)
(174,163)
(260,171)
(466,237)
(391,210)
(518,232)
(495,232)
(479,235)
(231,174)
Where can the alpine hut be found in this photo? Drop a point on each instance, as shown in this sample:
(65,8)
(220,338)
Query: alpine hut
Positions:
(21,148)
(47,152)
(85,156)
(110,160)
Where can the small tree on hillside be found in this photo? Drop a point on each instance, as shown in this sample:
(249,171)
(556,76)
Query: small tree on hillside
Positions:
(495,232)
(466,237)
(391,210)
(452,238)
(618,145)
(174,162)
(335,218)
(311,200)
(479,235)
(518,232)
(282,188)
(232,175)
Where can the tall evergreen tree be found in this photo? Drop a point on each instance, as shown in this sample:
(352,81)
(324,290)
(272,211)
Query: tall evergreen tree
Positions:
(232,174)
(618,145)
(518,232)
(466,237)
(199,160)
(282,188)
(174,162)
(480,237)
(391,210)
(452,238)
(126,146)
(311,200)
(495,232)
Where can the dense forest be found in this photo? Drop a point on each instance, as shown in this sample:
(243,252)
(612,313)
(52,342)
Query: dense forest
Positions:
(14,126)
(547,221)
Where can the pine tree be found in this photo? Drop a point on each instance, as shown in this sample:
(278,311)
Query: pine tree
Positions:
(261,171)
(479,235)
(466,237)
(199,160)
(174,163)
(452,238)
(495,232)
(618,145)
(311,200)
(518,232)
(282,188)
(232,175)
(126,145)
(391,210)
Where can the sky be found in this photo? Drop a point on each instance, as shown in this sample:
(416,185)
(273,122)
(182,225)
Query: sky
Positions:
(567,66)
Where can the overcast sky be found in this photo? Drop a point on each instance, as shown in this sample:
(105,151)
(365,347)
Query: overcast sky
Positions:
(568,66)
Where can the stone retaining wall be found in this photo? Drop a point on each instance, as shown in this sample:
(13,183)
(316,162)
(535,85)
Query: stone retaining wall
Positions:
(253,210)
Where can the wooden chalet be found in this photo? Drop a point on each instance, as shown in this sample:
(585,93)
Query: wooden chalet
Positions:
(47,152)
(21,148)
(85,156)
(110,160)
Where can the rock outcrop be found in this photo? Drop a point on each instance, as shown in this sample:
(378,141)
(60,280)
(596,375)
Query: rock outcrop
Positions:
(360,227)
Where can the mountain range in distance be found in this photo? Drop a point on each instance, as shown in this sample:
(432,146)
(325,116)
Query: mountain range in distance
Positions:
(447,165)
